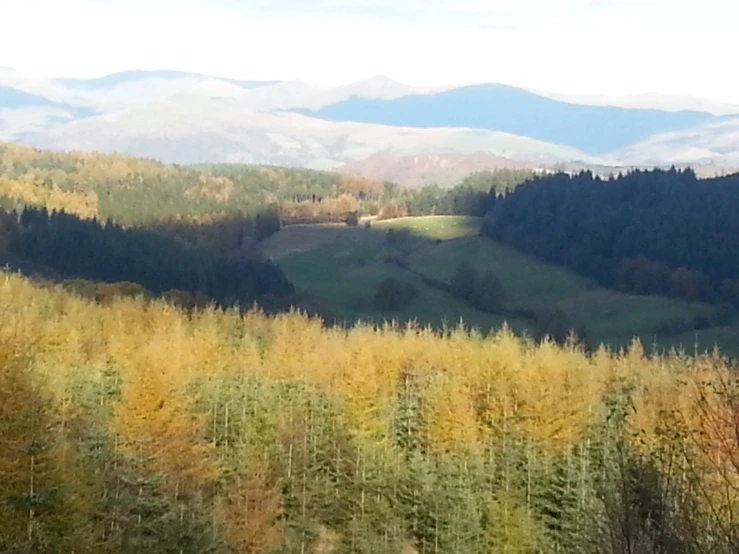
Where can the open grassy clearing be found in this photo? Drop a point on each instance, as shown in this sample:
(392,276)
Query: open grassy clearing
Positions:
(344,265)
(444,227)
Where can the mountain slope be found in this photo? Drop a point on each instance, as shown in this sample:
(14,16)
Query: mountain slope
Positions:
(22,113)
(593,129)
(194,129)
(662,102)
(45,88)
(426,169)
(713,143)
(18,125)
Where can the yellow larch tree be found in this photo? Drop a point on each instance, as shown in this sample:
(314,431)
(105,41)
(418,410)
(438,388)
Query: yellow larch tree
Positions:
(251,505)
(449,417)
(42,488)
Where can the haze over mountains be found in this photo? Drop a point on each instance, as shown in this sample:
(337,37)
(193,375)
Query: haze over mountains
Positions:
(182,117)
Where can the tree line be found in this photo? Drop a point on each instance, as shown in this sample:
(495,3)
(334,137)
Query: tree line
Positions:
(62,246)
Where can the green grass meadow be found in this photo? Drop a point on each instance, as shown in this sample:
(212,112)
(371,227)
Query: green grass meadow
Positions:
(344,265)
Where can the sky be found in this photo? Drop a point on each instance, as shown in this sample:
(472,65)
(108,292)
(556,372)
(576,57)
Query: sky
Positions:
(613,47)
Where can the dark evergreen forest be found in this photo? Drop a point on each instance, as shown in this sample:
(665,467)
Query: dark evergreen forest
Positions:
(646,232)
(58,245)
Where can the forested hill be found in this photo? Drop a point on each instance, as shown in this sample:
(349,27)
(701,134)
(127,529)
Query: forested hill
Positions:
(134,191)
(648,232)
(91,220)
(83,253)
(138,192)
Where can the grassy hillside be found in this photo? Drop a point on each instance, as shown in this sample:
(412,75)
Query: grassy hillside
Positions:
(344,266)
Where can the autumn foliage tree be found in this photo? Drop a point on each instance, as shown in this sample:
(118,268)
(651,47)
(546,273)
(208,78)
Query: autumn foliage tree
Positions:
(134,426)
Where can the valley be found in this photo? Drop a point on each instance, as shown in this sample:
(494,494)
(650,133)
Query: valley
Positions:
(343,266)
(298,219)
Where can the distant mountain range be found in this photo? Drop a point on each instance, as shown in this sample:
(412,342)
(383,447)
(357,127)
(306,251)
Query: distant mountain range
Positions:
(182,117)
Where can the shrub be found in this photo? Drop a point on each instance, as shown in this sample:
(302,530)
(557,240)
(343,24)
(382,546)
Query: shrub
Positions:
(392,210)
(400,240)
(701,322)
(267,223)
(464,281)
(105,292)
(352,220)
(488,293)
(393,295)
(180,298)
(554,323)
(81,287)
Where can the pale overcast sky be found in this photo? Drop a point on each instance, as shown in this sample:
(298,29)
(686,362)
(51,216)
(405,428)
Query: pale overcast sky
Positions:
(589,46)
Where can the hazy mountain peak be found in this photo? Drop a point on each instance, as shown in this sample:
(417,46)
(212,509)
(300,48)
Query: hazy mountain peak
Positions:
(379,86)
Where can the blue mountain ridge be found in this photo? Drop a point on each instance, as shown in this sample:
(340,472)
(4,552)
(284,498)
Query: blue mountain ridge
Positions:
(593,129)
